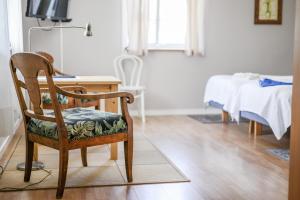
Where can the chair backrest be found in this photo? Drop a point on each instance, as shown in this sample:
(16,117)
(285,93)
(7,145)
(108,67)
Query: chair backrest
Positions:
(134,70)
(46,55)
(50,58)
(29,65)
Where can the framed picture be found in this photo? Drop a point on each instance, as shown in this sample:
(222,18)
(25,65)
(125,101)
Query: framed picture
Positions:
(268,12)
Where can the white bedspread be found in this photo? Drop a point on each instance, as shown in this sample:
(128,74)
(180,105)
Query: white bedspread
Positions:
(271,103)
(224,88)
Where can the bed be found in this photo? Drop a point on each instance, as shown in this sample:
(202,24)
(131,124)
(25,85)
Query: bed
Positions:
(243,97)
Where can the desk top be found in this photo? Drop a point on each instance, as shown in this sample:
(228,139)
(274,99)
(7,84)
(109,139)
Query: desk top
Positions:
(83,80)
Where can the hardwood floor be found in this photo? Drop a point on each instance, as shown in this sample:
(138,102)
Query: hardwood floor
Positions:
(222,162)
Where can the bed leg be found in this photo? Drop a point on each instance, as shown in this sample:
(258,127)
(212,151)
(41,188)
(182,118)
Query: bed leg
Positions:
(257,129)
(225,116)
(251,127)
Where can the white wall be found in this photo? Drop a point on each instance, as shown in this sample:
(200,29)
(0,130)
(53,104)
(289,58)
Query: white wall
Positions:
(174,81)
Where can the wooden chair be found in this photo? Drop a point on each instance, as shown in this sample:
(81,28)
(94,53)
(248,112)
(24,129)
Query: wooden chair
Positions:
(65,102)
(59,129)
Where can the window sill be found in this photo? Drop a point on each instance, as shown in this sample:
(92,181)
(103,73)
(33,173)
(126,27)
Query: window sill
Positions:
(166,49)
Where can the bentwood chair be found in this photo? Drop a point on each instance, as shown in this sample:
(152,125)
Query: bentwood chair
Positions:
(65,102)
(75,128)
(128,69)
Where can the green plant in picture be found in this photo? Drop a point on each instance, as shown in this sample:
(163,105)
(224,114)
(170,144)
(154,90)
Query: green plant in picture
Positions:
(268,10)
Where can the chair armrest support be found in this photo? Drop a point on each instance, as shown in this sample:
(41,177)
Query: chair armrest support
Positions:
(30,114)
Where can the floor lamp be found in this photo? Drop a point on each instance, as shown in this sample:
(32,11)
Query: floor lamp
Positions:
(37,165)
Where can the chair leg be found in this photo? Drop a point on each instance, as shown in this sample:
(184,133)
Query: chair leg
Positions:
(29,158)
(128,151)
(63,168)
(84,156)
(143,107)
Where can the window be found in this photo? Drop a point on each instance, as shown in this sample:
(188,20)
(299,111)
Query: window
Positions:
(167,28)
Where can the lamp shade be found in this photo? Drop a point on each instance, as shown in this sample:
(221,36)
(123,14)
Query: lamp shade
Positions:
(88,30)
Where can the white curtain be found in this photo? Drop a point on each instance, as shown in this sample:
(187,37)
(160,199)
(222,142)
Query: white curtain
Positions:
(11,40)
(135,19)
(15,27)
(194,44)
(15,34)
(6,111)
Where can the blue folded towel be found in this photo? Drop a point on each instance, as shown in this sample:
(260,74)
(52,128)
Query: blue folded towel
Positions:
(269,82)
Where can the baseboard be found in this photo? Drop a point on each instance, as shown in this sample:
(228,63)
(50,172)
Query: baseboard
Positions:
(166,112)
(4,144)
(17,125)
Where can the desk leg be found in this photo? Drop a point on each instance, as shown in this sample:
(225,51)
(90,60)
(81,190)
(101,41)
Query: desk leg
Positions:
(35,152)
(111,105)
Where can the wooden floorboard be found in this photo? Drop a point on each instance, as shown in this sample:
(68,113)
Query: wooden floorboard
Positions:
(222,161)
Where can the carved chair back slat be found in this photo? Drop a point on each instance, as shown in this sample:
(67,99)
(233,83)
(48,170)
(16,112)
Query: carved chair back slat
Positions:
(30,65)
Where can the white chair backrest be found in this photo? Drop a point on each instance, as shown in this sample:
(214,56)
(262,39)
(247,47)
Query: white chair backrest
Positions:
(134,70)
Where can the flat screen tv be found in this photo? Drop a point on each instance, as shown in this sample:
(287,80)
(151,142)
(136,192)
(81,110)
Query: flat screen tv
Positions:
(48,9)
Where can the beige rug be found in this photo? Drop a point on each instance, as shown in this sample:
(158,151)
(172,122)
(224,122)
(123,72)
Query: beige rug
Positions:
(149,166)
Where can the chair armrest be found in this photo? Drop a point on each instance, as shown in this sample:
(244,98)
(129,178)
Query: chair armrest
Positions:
(97,96)
(30,114)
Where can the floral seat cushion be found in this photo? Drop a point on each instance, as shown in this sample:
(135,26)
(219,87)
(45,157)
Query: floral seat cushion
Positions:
(81,123)
(46,99)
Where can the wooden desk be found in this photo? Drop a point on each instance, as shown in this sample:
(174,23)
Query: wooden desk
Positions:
(92,84)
